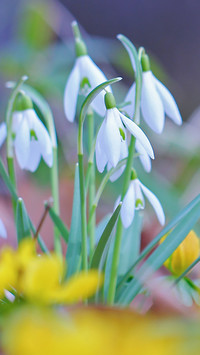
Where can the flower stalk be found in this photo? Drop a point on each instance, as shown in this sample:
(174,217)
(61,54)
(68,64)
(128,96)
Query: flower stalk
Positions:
(91,187)
(9,142)
(116,252)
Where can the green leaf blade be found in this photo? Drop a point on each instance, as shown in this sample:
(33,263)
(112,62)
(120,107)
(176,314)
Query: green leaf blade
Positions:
(99,251)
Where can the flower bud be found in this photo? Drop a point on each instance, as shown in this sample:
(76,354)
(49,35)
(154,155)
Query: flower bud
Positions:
(186,253)
(133,174)
(22,102)
(109,100)
(80,48)
(145,63)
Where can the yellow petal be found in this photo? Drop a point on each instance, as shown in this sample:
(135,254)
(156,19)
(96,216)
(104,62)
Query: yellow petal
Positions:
(80,286)
(43,277)
(185,254)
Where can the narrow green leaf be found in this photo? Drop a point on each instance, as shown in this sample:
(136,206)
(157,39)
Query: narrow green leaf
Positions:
(22,220)
(13,193)
(162,253)
(130,246)
(93,94)
(73,255)
(165,230)
(99,251)
(59,224)
(100,227)
(7,181)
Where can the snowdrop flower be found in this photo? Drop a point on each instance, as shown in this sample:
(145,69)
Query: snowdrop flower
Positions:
(32,140)
(111,143)
(84,77)
(3,233)
(134,200)
(3,133)
(156,100)
(143,156)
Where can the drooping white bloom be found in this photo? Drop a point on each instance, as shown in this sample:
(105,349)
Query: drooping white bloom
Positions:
(3,233)
(32,140)
(111,143)
(134,200)
(143,156)
(156,102)
(3,133)
(84,75)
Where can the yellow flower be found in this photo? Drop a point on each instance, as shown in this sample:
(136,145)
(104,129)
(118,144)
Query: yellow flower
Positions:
(92,331)
(40,278)
(43,281)
(8,275)
(184,255)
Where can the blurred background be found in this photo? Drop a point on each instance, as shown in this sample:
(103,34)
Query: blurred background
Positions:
(36,40)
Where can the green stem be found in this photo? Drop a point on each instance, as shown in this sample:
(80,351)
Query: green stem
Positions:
(83,213)
(103,185)
(91,226)
(187,270)
(119,230)
(55,195)
(9,140)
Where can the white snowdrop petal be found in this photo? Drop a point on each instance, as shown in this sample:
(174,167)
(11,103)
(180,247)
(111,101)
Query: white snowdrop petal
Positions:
(155,204)
(3,232)
(3,133)
(130,97)
(43,139)
(22,143)
(96,77)
(34,156)
(138,194)
(117,174)
(138,134)
(101,158)
(111,138)
(71,93)
(123,154)
(144,158)
(16,121)
(128,206)
(151,104)
(169,102)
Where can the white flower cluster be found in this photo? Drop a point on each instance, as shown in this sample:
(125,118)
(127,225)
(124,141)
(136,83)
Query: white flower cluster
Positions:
(112,142)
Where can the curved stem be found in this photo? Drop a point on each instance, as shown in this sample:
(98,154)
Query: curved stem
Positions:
(119,230)
(91,226)
(9,140)
(116,252)
(103,185)
(83,213)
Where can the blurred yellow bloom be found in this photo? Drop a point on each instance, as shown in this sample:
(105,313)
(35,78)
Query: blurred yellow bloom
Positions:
(40,278)
(8,276)
(93,332)
(44,282)
(184,255)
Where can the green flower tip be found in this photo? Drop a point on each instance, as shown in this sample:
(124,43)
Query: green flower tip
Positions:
(133,174)
(75,29)
(145,62)
(22,102)
(109,100)
(138,203)
(80,47)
